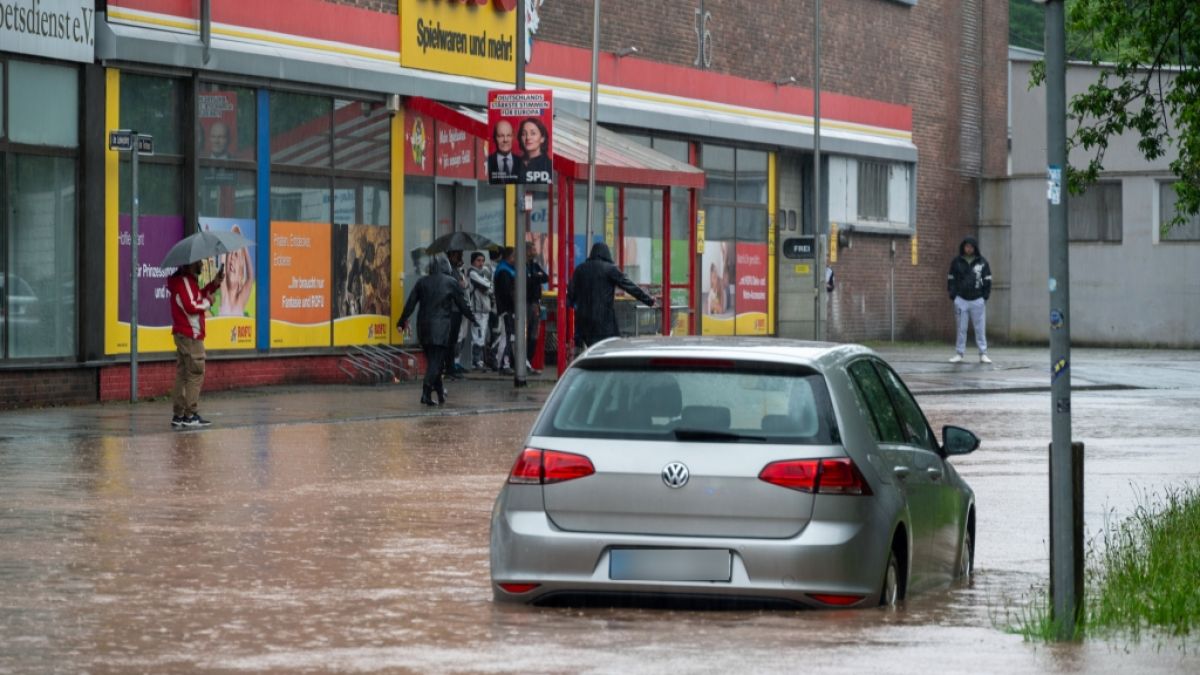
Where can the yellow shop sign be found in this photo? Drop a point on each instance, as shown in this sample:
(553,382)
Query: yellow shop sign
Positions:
(475,38)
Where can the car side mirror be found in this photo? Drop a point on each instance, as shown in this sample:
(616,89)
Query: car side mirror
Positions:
(958,441)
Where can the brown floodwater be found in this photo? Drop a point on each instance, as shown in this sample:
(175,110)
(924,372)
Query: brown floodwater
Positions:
(362,546)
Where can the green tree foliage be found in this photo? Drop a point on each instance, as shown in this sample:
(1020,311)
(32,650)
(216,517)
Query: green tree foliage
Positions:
(1151,86)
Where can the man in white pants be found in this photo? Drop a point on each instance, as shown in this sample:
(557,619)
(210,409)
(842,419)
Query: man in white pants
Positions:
(480,279)
(969,284)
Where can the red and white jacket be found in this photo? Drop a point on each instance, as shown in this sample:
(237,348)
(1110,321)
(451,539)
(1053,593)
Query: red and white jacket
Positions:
(189,302)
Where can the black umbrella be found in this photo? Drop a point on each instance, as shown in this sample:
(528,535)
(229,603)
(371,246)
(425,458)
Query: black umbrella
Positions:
(204,244)
(460,241)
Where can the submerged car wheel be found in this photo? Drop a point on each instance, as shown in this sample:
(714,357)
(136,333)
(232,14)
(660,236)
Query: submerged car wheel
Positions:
(890,596)
(965,559)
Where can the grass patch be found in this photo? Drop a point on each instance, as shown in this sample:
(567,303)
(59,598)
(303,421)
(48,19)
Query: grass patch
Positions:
(1144,575)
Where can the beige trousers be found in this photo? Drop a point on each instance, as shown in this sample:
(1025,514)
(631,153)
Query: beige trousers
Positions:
(189,375)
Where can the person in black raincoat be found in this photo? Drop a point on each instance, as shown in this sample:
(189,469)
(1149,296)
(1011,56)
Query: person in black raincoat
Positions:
(438,294)
(591,292)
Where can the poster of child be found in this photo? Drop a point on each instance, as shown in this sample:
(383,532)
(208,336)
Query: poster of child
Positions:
(715,281)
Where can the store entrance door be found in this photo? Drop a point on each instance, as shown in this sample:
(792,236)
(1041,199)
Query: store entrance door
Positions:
(798,252)
(454,209)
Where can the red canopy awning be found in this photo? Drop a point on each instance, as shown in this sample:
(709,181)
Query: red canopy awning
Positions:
(618,160)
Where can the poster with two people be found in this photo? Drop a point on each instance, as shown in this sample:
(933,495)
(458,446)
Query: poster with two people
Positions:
(520,124)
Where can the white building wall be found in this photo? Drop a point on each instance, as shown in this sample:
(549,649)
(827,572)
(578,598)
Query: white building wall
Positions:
(1136,292)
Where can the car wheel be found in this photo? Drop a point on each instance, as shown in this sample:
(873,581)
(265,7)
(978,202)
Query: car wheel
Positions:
(890,595)
(966,562)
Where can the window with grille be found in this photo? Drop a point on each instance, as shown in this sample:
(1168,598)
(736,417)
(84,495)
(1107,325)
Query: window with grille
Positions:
(872,190)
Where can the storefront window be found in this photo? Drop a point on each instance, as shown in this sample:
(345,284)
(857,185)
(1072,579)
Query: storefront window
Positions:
(361,136)
(300,129)
(43,104)
(227,193)
(151,105)
(734,262)
(490,211)
(300,198)
(39,292)
(418,233)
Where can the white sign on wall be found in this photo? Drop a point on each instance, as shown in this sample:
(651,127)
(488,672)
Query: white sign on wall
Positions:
(57,29)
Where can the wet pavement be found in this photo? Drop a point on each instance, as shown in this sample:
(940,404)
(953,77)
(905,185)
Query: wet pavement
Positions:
(345,529)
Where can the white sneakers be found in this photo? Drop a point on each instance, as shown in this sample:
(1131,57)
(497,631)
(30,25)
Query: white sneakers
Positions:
(958,358)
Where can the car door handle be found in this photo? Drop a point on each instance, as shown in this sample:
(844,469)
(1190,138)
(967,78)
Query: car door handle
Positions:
(934,473)
(901,472)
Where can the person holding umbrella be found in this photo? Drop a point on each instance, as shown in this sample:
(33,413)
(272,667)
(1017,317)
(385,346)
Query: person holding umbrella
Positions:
(437,293)
(189,303)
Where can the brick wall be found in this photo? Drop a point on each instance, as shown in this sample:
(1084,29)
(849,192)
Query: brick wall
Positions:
(157,378)
(874,49)
(31,388)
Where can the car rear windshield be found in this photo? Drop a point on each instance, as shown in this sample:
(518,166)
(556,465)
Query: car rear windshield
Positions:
(726,404)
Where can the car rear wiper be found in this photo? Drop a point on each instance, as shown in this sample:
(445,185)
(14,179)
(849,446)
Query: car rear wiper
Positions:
(713,435)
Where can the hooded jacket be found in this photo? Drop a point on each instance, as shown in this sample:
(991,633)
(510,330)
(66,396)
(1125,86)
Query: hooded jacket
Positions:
(969,280)
(189,302)
(437,293)
(591,293)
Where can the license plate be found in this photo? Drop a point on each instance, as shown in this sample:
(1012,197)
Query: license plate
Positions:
(689,564)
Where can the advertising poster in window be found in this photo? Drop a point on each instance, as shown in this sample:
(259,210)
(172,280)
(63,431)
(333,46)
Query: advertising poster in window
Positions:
(418,144)
(718,283)
(217,115)
(520,126)
(751,288)
(362,261)
(156,235)
(230,323)
(300,284)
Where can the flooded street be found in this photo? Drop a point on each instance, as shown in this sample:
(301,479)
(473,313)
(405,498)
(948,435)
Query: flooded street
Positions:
(362,546)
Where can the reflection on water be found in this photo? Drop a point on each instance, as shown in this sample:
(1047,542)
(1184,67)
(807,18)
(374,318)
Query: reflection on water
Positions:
(363,546)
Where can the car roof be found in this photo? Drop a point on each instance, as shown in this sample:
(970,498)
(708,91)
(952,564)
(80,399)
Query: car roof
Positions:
(819,355)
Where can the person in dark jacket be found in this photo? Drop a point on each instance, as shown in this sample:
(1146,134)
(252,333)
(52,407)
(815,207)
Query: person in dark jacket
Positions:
(969,284)
(535,276)
(591,292)
(436,293)
(504,285)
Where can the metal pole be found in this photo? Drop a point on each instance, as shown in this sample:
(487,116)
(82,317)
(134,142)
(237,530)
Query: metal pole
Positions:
(133,270)
(520,321)
(1066,583)
(818,226)
(591,188)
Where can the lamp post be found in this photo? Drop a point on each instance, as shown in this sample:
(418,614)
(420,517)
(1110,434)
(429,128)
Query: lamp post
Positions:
(818,226)
(1066,458)
(591,187)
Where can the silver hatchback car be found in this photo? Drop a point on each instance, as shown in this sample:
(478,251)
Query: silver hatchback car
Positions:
(732,469)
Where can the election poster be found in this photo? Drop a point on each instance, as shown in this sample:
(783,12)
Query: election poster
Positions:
(301,292)
(521,127)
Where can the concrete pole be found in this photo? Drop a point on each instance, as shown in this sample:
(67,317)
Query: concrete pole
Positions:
(818,226)
(591,188)
(521,320)
(1066,539)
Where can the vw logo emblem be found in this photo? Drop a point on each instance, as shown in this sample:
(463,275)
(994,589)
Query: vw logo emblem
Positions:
(675,475)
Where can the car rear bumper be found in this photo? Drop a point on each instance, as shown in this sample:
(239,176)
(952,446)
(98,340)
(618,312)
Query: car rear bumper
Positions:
(837,557)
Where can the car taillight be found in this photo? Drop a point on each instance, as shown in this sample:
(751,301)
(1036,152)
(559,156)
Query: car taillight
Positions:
(835,600)
(542,467)
(834,476)
(518,588)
